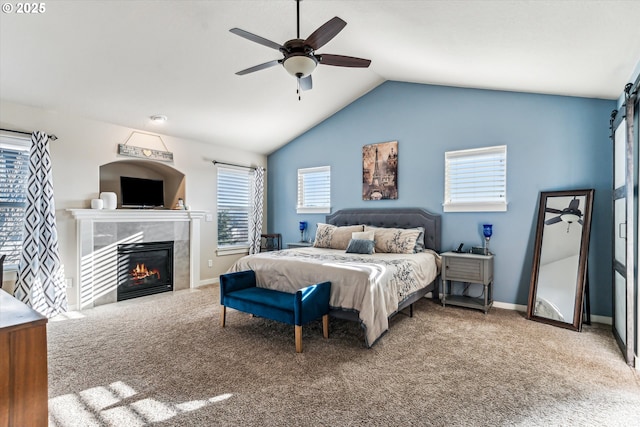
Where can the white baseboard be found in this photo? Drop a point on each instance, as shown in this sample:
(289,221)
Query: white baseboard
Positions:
(205,282)
(498,304)
(606,320)
(510,306)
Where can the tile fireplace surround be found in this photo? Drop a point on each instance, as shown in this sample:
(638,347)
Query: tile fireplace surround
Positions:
(99,232)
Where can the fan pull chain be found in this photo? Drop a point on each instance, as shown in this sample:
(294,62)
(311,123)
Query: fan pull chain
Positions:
(298,91)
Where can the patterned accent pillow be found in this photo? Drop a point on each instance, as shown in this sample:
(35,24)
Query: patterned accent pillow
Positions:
(395,240)
(419,241)
(332,237)
(361,246)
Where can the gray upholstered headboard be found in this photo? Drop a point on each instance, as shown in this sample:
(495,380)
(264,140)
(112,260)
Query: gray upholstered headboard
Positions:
(393,217)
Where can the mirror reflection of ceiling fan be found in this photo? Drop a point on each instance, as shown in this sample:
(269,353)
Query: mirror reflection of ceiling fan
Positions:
(299,56)
(569,215)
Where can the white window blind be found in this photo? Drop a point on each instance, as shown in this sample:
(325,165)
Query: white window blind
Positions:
(234,204)
(14,174)
(314,190)
(476,180)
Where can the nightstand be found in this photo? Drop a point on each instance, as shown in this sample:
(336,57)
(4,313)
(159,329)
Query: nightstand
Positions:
(299,245)
(467,268)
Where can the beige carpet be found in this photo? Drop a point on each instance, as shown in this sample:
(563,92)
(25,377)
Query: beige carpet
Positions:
(164,360)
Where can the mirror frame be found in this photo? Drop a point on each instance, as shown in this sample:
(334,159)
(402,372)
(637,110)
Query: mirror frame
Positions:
(582,278)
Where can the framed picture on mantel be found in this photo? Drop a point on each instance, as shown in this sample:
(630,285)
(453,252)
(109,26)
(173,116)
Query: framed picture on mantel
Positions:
(380,171)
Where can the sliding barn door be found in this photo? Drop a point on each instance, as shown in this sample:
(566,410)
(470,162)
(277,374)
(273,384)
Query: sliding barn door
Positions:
(625,213)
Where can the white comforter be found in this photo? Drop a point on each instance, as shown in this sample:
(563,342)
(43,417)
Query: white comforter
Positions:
(372,285)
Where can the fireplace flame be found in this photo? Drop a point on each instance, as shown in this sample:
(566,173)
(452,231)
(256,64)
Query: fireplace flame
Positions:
(141,272)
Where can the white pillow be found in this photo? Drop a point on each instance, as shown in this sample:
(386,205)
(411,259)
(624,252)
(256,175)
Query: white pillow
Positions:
(363,235)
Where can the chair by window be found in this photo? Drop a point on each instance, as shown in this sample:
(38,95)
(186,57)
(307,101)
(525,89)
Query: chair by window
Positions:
(270,242)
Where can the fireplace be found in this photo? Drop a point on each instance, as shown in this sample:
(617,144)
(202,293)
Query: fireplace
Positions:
(144,269)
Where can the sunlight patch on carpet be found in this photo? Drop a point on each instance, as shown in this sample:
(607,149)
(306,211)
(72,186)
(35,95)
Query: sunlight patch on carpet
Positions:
(197,404)
(69,315)
(116,405)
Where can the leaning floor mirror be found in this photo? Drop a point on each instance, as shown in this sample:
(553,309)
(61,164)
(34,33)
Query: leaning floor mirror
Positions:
(559,274)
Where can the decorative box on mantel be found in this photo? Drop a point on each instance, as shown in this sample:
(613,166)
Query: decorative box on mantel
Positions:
(99,232)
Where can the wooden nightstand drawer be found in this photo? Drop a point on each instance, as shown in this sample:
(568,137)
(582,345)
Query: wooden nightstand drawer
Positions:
(464,270)
(469,269)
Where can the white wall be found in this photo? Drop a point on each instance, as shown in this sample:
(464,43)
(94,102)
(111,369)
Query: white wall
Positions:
(557,283)
(85,144)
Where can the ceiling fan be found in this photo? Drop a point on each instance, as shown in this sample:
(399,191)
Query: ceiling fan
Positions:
(569,214)
(299,56)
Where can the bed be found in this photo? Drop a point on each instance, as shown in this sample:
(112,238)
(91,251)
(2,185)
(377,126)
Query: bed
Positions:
(365,288)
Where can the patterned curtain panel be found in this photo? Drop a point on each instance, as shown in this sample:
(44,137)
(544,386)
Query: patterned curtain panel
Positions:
(40,282)
(255,216)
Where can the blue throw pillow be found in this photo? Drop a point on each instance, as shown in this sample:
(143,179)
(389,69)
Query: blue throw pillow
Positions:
(357,246)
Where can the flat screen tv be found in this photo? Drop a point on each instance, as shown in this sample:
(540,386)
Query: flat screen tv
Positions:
(141,192)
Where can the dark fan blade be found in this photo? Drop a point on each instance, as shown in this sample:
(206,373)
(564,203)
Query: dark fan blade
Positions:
(343,61)
(325,33)
(573,205)
(552,210)
(258,67)
(553,220)
(306,83)
(260,40)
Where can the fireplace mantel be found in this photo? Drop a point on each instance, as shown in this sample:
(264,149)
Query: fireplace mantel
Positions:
(99,231)
(127,215)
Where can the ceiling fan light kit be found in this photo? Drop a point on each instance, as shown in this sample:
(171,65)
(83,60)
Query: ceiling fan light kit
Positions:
(299,57)
(569,215)
(569,218)
(300,65)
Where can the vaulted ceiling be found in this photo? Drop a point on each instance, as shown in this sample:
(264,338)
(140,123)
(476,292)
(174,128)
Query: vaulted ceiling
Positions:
(123,61)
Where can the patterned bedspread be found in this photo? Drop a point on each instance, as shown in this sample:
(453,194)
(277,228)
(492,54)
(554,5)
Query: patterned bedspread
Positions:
(372,285)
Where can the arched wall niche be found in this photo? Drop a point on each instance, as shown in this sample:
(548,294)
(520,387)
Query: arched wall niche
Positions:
(174,180)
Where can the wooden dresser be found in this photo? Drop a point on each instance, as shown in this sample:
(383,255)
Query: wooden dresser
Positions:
(23,364)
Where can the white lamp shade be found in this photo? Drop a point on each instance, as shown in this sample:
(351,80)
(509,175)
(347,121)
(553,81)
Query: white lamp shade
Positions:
(299,66)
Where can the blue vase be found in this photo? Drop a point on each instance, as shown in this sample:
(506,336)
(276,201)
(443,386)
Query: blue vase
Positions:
(487,230)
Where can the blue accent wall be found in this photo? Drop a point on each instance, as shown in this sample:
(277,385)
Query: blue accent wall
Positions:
(553,143)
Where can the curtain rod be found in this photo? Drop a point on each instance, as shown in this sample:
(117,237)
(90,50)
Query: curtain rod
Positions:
(215,162)
(51,137)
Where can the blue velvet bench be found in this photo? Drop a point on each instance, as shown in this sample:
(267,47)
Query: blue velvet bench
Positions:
(239,291)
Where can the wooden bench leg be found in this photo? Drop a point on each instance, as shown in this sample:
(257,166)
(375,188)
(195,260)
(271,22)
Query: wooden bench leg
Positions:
(298,339)
(223,314)
(325,326)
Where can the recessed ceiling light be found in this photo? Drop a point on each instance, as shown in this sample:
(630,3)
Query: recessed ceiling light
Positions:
(158,118)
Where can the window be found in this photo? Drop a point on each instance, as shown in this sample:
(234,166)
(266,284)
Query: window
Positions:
(476,180)
(314,190)
(234,204)
(14,174)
